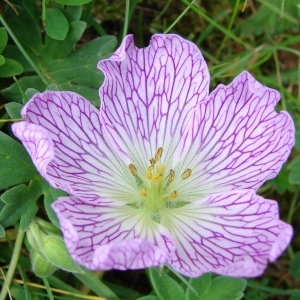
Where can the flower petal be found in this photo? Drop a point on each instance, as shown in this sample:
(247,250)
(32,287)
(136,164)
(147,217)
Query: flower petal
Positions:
(233,233)
(102,237)
(64,137)
(236,139)
(149,93)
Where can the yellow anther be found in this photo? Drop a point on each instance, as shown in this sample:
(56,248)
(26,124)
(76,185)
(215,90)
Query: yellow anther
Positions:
(158,154)
(133,169)
(171,176)
(149,172)
(173,195)
(186,174)
(157,177)
(143,192)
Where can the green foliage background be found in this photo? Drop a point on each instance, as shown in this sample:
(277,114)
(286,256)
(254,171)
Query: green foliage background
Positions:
(56,44)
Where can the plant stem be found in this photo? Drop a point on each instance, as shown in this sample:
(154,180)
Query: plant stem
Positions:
(13,264)
(179,17)
(126,21)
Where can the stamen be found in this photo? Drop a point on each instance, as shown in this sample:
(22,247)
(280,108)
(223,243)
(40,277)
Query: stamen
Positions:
(186,174)
(173,195)
(133,169)
(152,161)
(157,177)
(171,176)
(143,192)
(149,172)
(158,154)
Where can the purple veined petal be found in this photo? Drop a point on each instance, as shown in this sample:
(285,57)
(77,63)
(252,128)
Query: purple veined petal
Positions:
(64,137)
(106,237)
(232,233)
(148,94)
(237,139)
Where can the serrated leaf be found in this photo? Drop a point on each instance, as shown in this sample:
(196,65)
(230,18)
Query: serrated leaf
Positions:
(57,25)
(73,2)
(15,164)
(14,110)
(20,204)
(10,68)
(54,250)
(164,286)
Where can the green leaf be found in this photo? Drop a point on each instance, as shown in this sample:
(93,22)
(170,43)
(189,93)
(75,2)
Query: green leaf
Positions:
(15,164)
(149,297)
(294,176)
(10,68)
(2,60)
(2,232)
(57,25)
(14,110)
(58,49)
(73,2)
(220,288)
(13,93)
(297,144)
(3,39)
(20,204)
(73,13)
(96,285)
(164,286)
(295,266)
(201,284)
(54,250)
(51,195)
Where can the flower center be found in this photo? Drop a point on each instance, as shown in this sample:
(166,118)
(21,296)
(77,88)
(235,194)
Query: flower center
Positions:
(157,186)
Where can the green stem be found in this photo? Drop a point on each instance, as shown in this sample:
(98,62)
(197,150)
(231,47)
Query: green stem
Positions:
(216,24)
(126,21)
(21,48)
(179,17)
(235,11)
(13,264)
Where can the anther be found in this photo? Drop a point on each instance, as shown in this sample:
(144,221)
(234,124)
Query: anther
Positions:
(149,172)
(143,192)
(157,177)
(133,169)
(186,174)
(152,161)
(173,195)
(158,154)
(171,176)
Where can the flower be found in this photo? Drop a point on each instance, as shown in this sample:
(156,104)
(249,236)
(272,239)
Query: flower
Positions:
(164,173)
